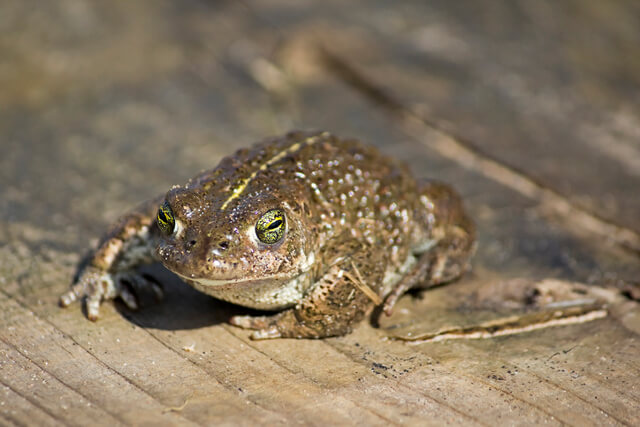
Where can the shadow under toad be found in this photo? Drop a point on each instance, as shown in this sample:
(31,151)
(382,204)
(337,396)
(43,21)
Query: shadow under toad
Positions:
(181,308)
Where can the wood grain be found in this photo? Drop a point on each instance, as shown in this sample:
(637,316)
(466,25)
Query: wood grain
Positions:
(105,104)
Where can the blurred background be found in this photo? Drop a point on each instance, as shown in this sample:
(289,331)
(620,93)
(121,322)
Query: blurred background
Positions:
(136,96)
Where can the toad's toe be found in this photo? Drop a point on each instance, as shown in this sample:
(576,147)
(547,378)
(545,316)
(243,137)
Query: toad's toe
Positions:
(266,334)
(251,322)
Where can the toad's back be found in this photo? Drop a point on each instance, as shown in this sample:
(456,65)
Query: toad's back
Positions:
(351,192)
(344,185)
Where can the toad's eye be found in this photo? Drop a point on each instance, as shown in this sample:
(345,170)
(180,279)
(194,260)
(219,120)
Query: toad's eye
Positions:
(166,221)
(270,227)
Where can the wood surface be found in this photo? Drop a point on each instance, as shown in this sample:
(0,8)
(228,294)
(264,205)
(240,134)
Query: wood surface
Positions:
(530,109)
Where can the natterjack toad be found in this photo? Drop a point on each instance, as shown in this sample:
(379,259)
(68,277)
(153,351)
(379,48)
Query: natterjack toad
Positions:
(318,228)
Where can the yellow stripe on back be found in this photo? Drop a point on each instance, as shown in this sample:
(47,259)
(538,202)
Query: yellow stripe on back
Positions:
(289,150)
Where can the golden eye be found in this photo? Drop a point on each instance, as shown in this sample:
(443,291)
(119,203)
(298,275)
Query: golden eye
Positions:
(166,221)
(270,227)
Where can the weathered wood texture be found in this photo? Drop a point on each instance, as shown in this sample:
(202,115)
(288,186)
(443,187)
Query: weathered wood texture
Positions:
(104,104)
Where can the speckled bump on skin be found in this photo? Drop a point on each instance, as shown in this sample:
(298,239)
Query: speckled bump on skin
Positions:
(316,227)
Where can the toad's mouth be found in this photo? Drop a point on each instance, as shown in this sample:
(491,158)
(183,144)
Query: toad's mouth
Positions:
(212,283)
(205,282)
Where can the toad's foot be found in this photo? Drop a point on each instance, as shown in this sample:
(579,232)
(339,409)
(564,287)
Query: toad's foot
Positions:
(96,285)
(281,325)
(265,327)
(334,304)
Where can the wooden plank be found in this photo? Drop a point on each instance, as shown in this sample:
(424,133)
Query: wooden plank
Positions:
(547,90)
(206,80)
(82,385)
(50,399)
(16,408)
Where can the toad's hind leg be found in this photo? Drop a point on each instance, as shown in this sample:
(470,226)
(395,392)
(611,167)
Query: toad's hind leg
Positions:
(341,297)
(447,223)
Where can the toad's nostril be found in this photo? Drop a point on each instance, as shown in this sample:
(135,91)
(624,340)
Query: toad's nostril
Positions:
(191,243)
(223,245)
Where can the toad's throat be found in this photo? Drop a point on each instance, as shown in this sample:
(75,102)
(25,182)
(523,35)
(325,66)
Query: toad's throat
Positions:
(268,293)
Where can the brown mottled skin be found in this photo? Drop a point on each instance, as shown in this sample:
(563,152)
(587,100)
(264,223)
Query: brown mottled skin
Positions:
(360,231)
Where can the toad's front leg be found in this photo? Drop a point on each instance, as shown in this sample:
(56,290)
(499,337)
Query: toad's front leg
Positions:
(341,298)
(110,272)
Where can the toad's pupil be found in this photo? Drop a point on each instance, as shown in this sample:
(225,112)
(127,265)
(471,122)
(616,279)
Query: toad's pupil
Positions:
(275,224)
